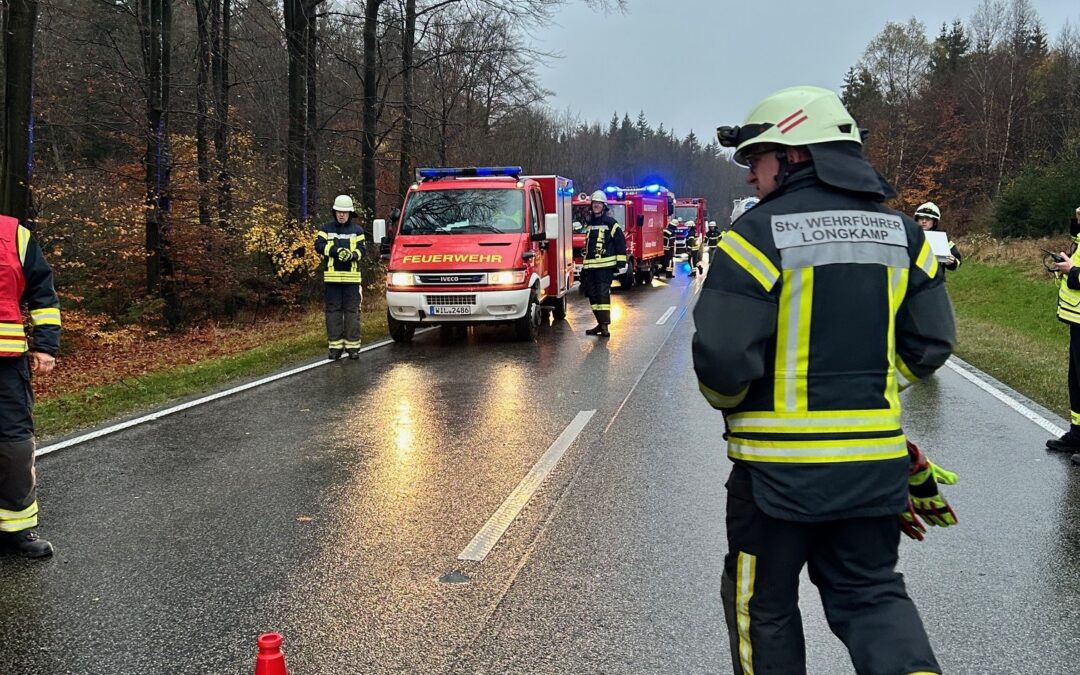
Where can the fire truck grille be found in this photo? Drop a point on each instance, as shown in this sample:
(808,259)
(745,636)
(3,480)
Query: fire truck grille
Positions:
(443,300)
(451,279)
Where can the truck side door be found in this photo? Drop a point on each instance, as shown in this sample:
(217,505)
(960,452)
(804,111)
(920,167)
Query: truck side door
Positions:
(536,225)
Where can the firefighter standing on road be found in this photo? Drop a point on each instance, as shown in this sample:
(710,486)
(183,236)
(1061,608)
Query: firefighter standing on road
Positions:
(928,216)
(341,244)
(670,235)
(712,239)
(840,304)
(693,248)
(1069,312)
(25,279)
(605,251)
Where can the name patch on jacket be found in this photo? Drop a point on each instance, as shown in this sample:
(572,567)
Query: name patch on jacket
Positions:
(820,227)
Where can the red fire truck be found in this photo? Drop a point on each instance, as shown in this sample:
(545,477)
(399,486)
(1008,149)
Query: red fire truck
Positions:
(478,245)
(643,213)
(692,213)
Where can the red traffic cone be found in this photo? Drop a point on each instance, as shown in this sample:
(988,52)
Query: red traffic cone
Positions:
(271,661)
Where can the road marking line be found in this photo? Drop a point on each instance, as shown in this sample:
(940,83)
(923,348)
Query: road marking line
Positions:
(1005,398)
(667,315)
(98,433)
(500,521)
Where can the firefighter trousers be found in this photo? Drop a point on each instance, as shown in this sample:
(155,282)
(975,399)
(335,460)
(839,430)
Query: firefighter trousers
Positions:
(18,490)
(343,315)
(1074,378)
(596,286)
(852,563)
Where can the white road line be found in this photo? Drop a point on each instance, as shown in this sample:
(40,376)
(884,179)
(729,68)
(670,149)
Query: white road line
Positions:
(667,315)
(1006,399)
(105,431)
(500,521)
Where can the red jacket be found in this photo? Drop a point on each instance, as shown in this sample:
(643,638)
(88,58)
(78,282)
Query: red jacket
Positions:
(25,278)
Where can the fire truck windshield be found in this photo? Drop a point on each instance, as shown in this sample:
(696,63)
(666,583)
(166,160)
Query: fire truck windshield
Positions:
(491,210)
(582,211)
(686,213)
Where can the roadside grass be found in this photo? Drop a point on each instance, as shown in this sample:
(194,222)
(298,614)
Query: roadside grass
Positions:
(1007,327)
(91,406)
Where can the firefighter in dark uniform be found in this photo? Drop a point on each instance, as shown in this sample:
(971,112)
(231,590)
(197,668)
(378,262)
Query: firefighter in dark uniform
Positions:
(1068,311)
(839,304)
(341,244)
(928,216)
(605,251)
(693,248)
(670,234)
(25,279)
(712,239)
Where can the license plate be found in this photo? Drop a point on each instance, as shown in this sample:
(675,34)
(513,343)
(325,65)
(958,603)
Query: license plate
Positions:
(450,309)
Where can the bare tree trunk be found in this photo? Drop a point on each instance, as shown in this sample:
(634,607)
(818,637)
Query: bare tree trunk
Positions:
(202,105)
(296,43)
(311,157)
(408,42)
(155,19)
(222,38)
(20,19)
(367,150)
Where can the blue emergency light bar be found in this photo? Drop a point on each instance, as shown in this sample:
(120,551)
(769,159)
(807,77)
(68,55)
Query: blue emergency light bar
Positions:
(469,171)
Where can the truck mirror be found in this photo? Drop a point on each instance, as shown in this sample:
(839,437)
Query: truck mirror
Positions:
(378,229)
(528,255)
(551,225)
(395,214)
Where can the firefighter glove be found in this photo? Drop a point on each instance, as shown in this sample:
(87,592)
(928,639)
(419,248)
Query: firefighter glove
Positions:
(344,254)
(910,523)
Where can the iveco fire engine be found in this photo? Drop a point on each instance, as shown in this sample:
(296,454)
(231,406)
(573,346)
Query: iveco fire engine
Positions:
(643,213)
(478,245)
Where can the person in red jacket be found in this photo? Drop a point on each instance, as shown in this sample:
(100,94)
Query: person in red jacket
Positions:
(25,280)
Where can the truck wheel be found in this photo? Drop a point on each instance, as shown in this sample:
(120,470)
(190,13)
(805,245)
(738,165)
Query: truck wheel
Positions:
(646,277)
(627,280)
(400,331)
(558,309)
(528,326)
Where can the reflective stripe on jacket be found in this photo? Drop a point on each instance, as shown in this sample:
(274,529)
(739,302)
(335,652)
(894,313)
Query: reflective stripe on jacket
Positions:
(26,278)
(335,237)
(605,243)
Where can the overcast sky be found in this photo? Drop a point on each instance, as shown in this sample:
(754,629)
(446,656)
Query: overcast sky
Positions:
(698,64)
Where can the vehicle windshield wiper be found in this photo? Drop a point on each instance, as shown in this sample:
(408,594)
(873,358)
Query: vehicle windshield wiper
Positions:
(481,226)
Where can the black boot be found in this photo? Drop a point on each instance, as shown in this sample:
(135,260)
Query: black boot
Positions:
(598,329)
(26,543)
(335,354)
(603,330)
(1076,459)
(354,353)
(1070,442)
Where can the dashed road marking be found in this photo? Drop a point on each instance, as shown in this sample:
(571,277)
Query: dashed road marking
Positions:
(500,521)
(667,315)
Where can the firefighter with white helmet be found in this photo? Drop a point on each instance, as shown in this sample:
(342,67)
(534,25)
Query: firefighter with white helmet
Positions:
(928,216)
(742,206)
(341,244)
(604,252)
(840,303)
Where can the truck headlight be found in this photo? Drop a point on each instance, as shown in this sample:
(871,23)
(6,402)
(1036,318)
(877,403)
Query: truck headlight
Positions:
(400,279)
(506,278)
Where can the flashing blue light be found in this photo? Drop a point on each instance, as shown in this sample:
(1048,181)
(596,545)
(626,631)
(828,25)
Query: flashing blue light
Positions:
(611,188)
(472,171)
(655,187)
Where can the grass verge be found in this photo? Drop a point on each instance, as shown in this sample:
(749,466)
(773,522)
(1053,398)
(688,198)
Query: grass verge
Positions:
(94,405)
(1006,326)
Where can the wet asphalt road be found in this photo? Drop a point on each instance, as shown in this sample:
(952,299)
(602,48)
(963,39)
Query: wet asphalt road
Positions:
(328,506)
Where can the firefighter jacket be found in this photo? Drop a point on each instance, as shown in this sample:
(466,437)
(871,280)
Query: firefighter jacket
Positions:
(712,236)
(1068,309)
(956,254)
(670,235)
(25,278)
(820,306)
(333,238)
(693,242)
(605,243)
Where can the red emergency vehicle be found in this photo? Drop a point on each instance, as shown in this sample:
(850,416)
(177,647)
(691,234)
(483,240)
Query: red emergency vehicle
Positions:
(643,213)
(692,213)
(479,245)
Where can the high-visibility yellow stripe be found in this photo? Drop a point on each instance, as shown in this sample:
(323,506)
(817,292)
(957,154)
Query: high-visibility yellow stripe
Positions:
(48,316)
(745,571)
(750,259)
(9,329)
(22,242)
(342,277)
(818,451)
(813,421)
(1075,417)
(31,510)
(793,340)
(926,260)
(18,346)
(17,521)
(600,307)
(720,401)
(349,344)
(337,344)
